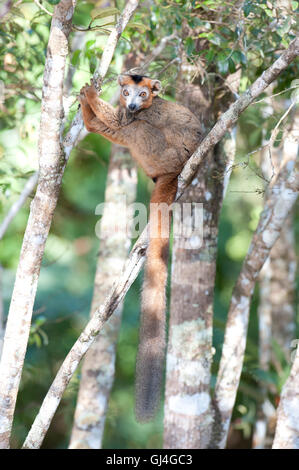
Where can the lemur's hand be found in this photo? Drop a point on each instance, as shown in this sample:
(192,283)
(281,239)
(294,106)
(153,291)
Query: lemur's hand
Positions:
(89,92)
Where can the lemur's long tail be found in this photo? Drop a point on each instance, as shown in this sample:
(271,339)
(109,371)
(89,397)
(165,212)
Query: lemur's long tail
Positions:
(151,352)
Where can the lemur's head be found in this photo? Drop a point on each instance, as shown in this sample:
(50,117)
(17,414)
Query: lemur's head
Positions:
(137,91)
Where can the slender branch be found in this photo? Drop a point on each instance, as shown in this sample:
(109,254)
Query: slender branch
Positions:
(42,7)
(136,258)
(27,190)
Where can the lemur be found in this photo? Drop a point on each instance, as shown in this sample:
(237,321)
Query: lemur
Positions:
(161,136)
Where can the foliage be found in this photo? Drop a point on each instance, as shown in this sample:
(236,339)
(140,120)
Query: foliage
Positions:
(218,38)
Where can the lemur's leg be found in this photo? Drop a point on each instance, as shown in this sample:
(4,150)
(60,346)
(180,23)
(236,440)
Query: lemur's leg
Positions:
(93,124)
(104,111)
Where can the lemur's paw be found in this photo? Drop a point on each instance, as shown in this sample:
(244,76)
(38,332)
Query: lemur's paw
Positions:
(89,90)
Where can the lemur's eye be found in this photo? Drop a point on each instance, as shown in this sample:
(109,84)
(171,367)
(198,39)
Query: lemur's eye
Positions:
(125,93)
(143,94)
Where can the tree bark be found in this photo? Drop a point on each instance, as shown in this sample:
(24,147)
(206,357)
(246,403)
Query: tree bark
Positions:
(41,213)
(188,414)
(99,363)
(287,429)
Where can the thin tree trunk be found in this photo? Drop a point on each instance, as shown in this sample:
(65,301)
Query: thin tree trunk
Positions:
(99,363)
(281,196)
(137,255)
(41,213)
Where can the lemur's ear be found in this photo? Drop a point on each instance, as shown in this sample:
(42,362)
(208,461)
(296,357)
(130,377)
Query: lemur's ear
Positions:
(121,79)
(156,87)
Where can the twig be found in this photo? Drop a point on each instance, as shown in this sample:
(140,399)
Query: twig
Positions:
(42,7)
(136,258)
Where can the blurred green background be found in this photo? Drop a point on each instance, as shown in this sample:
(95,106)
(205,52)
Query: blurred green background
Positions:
(66,281)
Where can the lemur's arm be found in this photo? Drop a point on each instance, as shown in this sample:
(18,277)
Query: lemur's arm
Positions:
(103,111)
(94,124)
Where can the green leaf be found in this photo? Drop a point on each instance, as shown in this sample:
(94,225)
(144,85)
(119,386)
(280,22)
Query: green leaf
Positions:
(231,65)
(92,63)
(75,58)
(189,46)
(53,2)
(89,44)
(247,8)
(97,13)
(295,5)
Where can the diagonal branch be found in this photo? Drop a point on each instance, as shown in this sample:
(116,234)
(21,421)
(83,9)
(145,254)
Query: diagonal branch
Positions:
(136,258)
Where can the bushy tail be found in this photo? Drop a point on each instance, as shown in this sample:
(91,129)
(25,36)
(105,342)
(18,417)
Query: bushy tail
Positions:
(151,352)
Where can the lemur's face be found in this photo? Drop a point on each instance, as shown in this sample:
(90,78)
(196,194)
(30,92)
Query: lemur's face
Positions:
(137,91)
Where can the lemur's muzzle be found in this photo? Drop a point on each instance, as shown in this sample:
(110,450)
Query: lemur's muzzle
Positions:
(132,107)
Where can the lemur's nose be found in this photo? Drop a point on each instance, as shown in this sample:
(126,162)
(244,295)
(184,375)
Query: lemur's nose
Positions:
(132,106)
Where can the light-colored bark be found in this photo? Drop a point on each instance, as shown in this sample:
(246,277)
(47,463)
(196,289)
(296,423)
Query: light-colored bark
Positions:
(280,198)
(287,428)
(97,373)
(41,212)
(137,255)
(53,156)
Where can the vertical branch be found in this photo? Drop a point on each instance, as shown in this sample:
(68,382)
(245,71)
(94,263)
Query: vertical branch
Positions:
(99,363)
(41,212)
(281,196)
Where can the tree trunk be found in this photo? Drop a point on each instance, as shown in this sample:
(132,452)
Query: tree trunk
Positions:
(188,414)
(51,159)
(98,367)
